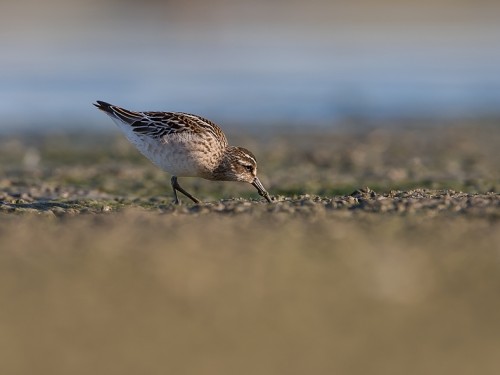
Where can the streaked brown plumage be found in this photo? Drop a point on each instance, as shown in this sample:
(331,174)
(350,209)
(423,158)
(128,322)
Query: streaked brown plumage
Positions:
(186,145)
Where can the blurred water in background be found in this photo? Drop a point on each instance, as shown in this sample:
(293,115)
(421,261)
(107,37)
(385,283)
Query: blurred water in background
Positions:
(249,62)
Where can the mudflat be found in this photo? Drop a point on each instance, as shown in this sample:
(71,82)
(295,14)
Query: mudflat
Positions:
(379,255)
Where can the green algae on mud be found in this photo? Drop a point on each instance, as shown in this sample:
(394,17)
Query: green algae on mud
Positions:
(360,202)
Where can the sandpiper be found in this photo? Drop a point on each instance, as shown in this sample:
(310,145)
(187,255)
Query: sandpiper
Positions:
(186,145)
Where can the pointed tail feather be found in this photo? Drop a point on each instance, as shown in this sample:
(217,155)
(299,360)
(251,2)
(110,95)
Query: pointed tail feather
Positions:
(123,114)
(103,106)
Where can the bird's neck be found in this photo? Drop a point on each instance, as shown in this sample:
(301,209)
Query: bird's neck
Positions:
(224,165)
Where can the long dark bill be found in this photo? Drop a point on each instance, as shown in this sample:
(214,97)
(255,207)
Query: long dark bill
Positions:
(260,188)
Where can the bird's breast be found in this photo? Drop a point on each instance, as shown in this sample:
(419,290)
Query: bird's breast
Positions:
(182,156)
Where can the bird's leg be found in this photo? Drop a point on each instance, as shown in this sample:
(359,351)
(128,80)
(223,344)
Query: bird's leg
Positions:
(176,186)
(173,182)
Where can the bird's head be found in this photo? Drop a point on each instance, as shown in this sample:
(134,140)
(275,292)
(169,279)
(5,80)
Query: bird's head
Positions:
(239,164)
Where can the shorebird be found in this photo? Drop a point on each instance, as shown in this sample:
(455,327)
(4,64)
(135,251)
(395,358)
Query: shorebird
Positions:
(186,145)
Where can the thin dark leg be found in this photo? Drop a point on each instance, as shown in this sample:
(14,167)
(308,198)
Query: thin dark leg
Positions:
(173,182)
(176,186)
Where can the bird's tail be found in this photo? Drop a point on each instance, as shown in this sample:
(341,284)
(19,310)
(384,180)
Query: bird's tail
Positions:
(103,106)
(119,113)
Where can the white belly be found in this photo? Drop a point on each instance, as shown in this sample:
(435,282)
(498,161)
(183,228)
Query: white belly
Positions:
(179,155)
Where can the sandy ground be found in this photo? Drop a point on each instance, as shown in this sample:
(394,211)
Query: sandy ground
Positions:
(379,255)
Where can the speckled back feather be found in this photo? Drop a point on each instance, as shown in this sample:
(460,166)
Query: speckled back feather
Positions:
(159,124)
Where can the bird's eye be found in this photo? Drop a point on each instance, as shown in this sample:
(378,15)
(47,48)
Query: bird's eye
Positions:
(249,168)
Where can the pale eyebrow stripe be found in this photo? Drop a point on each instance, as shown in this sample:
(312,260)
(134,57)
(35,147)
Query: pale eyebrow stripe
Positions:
(250,157)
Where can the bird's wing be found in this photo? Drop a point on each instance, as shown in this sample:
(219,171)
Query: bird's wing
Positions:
(160,124)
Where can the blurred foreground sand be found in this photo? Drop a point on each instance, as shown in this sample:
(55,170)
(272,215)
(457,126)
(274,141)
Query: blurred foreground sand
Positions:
(139,292)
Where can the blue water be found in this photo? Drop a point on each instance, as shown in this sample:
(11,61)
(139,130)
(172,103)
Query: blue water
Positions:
(240,81)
